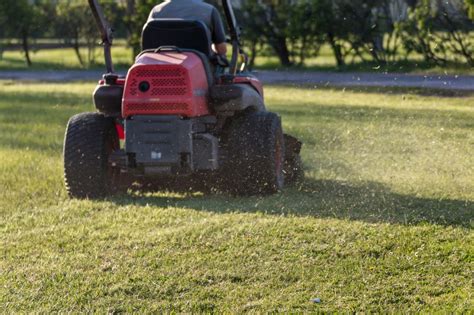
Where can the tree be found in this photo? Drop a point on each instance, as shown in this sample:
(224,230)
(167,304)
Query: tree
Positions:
(19,24)
(440,31)
(136,16)
(270,20)
(252,40)
(3,21)
(329,23)
(75,24)
(304,37)
(470,7)
(453,17)
(129,22)
(72,23)
(26,19)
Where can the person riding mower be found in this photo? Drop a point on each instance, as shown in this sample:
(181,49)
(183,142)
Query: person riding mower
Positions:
(195,10)
(181,113)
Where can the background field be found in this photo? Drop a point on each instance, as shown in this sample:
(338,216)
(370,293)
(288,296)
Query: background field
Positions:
(383,220)
(65,59)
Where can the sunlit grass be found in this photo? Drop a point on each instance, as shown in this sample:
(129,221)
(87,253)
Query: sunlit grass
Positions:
(65,59)
(413,144)
(382,222)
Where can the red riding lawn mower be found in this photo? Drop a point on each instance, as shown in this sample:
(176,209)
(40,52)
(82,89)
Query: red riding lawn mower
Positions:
(181,114)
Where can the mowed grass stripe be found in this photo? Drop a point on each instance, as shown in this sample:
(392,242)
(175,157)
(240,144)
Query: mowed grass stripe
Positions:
(383,220)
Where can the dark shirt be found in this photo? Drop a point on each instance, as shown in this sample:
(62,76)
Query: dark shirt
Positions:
(192,10)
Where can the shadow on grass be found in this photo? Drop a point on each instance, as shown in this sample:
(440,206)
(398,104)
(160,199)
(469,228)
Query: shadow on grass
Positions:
(366,201)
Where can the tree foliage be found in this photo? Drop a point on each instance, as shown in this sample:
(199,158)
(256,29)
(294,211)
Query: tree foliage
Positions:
(470,8)
(293,30)
(23,19)
(75,25)
(369,30)
(136,15)
(440,31)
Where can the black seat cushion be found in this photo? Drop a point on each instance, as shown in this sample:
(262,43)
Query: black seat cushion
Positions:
(176,32)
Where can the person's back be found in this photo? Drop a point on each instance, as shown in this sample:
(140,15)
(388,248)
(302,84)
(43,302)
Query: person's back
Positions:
(194,10)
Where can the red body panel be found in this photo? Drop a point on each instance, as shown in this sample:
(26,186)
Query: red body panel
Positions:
(178,86)
(120,131)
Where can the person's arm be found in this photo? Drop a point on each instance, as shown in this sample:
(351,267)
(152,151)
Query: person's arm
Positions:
(218,34)
(221,49)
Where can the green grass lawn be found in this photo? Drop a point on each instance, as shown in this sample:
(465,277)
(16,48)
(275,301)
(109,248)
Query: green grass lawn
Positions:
(383,220)
(65,59)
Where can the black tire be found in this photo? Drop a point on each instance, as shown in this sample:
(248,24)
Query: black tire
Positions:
(89,140)
(294,173)
(256,155)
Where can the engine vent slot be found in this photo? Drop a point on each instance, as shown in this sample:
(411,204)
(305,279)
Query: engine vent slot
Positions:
(169,82)
(153,73)
(168,91)
(153,107)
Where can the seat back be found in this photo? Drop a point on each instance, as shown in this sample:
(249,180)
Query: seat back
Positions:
(184,34)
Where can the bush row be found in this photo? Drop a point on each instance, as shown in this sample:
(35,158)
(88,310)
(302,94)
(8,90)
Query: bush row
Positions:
(379,31)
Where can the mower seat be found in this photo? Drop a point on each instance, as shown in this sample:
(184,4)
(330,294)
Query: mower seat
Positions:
(179,33)
(186,35)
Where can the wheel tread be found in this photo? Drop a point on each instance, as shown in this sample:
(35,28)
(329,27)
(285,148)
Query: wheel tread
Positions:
(251,142)
(84,145)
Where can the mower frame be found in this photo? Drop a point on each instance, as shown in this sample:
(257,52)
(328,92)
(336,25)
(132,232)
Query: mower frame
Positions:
(178,119)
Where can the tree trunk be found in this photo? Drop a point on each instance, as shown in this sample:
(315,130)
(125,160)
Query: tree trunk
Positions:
(336,49)
(377,50)
(26,47)
(281,49)
(302,53)
(253,54)
(77,51)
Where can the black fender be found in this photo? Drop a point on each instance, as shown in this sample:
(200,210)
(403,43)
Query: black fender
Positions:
(235,98)
(108,99)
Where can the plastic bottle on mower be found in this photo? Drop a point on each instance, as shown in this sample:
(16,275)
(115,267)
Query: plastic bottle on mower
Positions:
(178,119)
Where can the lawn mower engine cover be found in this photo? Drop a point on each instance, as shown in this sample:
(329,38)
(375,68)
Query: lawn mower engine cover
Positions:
(166,110)
(166,83)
